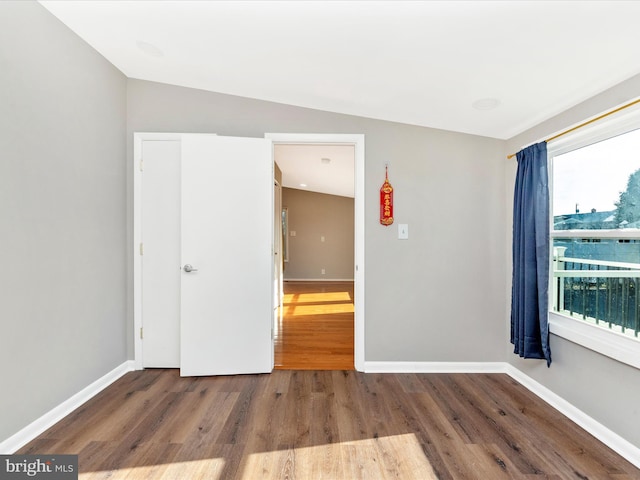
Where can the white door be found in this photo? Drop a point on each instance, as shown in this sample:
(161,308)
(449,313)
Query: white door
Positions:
(227,235)
(160,236)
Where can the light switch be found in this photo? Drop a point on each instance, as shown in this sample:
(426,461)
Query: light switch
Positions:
(292,233)
(322,238)
(403,231)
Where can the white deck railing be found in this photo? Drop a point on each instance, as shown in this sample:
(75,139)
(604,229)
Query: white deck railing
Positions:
(601,292)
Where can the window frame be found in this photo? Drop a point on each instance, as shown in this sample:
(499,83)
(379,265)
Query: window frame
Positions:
(606,342)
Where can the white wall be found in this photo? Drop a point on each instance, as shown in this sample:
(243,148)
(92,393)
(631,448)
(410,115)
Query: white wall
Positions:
(62,214)
(603,388)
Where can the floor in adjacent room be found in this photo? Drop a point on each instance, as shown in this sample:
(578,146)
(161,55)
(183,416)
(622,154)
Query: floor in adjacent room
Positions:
(315,327)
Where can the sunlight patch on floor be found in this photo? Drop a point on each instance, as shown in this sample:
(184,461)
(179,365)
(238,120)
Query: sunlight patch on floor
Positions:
(208,468)
(297,310)
(397,456)
(317,297)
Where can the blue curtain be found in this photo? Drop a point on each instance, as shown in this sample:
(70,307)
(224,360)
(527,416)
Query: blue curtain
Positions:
(530,288)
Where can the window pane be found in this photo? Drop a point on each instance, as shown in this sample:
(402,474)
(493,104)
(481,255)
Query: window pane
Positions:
(597,281)
(598,186)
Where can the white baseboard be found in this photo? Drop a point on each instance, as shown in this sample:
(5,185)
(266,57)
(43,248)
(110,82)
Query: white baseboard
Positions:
(28,433)
(614,441)
(611,439)
(435,367)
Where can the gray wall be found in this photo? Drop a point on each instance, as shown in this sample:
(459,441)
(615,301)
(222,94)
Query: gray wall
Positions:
(438,296)
(312,216)
(442,295)
(599,386)
(62,215)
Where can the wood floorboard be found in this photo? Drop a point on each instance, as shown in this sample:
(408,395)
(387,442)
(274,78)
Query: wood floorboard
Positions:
(314,330)
(314,417)
(335,425)
(523,408)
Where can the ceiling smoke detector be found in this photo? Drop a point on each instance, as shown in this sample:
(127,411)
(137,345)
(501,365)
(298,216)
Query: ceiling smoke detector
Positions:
(486,104)
(150,49)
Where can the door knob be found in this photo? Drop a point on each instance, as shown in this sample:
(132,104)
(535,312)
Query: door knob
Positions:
(189,268)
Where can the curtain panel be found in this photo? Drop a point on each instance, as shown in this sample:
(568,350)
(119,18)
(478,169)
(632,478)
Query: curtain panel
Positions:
(530,287)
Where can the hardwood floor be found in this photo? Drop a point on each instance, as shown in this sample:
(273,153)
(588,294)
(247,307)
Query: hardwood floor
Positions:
(315,327)
(334,425)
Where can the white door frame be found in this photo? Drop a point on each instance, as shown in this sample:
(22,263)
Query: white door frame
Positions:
(357,140)
(277,243)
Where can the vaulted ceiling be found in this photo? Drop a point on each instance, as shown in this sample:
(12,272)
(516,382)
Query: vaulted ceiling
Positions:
(491,68)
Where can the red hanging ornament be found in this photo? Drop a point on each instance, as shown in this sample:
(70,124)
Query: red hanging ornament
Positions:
(386,201)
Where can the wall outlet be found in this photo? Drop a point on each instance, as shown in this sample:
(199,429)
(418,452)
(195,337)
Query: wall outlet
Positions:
(292,233)
(403,231)
(322,271)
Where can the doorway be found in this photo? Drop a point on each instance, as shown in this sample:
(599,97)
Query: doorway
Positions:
(357,286)
(357,141)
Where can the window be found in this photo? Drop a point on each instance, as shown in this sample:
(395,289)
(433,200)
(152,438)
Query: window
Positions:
(594,295)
